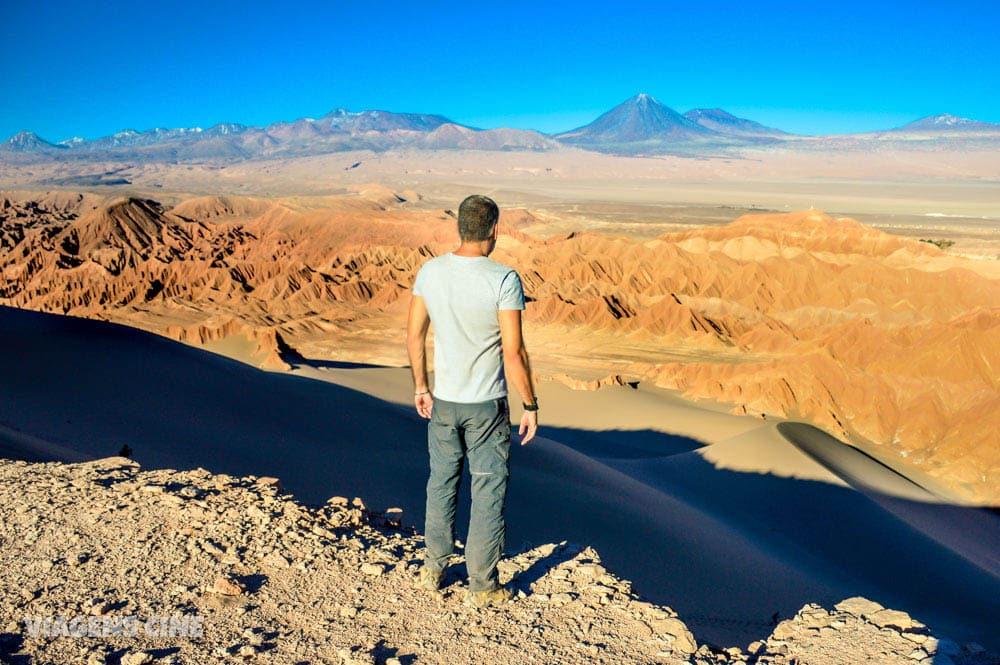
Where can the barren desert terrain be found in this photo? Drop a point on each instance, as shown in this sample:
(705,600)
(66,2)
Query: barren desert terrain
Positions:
(761,389)
(880,339)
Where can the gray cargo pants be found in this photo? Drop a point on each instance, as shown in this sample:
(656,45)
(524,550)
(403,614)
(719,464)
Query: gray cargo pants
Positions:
(481,432)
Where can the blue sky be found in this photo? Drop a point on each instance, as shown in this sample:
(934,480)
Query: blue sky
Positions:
(89,69)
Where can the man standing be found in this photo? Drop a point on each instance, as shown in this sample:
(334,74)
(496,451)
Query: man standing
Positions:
(475,305)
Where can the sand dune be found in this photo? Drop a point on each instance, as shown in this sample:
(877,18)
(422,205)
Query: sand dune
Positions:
(726,548)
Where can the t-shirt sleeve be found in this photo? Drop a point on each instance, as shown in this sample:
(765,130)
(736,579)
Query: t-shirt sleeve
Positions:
(418,283)
(511,292)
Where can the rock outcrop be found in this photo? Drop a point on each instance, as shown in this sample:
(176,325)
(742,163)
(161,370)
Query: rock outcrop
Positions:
(240,571)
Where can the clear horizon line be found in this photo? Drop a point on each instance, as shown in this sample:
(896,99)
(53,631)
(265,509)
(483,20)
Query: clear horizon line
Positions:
(479,126)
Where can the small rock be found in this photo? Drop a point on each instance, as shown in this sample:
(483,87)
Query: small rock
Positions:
(858,606)
(323,533)
(683,639)
(99,607)
(891,619)
(814,616)
(590,570)
(212,548)
(138,658)
(277,560)
(228,586)
(246,651)
(373,569)
(784,630)
(268,481)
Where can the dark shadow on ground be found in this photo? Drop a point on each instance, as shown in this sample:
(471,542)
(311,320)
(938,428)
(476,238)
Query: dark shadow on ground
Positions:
(622,444)
(299,361)
(10,645)
(727,550)
(542,565)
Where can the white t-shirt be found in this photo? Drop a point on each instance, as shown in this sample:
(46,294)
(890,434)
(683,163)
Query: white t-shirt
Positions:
(463,295)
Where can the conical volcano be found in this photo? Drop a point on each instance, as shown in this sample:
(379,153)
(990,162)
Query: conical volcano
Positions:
(641,119)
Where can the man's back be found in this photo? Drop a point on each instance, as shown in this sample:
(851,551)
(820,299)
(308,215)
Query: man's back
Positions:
(463,295)
(474,306)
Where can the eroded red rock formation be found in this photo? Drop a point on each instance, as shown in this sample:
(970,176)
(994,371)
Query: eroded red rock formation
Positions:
(874,337)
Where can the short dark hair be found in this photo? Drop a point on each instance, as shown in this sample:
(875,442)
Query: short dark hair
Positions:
(477,216)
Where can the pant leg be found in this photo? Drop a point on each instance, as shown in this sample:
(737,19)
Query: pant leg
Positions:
(444,443)
(487,440)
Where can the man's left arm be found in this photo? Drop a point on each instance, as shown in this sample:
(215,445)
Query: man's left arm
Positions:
(417,325)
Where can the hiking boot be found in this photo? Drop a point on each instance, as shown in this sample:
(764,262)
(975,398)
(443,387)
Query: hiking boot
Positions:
(481,599)
(430,579)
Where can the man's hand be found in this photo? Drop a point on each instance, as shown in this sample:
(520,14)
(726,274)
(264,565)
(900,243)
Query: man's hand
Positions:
(529,424)
(424,404)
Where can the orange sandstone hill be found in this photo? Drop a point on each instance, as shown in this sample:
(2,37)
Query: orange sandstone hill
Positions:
(889,343)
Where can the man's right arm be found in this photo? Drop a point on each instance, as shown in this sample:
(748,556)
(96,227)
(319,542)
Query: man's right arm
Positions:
(417,325)
(515,357)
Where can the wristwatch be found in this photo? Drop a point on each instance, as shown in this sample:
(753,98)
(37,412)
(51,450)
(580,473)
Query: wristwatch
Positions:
(530,407)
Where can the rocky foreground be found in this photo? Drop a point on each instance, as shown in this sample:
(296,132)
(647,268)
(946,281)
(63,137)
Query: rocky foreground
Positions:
(105,563)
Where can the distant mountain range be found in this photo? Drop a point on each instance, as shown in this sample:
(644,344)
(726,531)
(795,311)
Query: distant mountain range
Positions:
(644,125)
(640,125)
